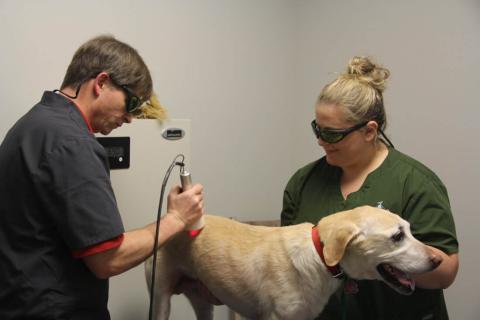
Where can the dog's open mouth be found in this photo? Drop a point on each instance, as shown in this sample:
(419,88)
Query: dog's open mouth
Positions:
(396,279)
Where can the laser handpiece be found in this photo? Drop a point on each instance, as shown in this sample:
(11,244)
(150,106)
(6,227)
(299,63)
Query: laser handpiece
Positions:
(186,181)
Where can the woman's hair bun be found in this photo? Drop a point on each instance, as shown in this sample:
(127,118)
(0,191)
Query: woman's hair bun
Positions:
(365,70)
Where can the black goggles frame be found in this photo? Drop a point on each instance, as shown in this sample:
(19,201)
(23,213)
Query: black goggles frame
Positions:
(132,101)
(334,135)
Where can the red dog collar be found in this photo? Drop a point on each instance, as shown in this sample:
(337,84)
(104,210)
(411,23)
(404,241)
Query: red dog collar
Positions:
(336,271)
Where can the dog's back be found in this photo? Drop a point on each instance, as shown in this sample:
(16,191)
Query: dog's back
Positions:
(276,273)
(250,268)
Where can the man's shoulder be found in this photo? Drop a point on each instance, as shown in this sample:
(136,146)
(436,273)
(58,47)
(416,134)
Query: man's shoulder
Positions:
(58,119)
(45,129)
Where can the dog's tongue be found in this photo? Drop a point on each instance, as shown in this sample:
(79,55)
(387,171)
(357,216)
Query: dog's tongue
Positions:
(407,282)
(403,278)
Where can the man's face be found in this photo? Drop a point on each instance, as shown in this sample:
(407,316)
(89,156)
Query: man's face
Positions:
(110,110)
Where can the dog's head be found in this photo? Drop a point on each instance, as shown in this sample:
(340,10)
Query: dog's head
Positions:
(372,243)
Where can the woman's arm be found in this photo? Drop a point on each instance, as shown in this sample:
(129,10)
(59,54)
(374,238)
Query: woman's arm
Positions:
(443,276)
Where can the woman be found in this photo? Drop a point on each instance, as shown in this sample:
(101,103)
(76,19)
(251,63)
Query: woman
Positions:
(361,167)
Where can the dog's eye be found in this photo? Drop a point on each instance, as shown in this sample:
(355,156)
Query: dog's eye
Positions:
(397,237)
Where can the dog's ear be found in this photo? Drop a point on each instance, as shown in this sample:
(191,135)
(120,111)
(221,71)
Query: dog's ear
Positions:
(336,242)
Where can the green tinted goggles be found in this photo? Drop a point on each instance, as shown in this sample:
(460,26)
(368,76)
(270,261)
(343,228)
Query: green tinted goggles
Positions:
(334,135)
(132,102)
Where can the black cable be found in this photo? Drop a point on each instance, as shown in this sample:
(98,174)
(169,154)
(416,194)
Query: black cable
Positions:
(157,229)
(71,97)
(383,135)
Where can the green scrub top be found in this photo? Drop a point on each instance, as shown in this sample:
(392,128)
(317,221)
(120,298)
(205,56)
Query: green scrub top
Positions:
(403,186)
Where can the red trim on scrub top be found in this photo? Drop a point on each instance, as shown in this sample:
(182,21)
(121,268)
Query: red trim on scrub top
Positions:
(99,247)
(90,129)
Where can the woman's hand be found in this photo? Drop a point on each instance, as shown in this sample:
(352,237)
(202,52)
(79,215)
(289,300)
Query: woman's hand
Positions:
(443,276)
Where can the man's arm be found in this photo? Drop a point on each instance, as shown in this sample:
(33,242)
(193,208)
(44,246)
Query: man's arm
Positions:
(184,209)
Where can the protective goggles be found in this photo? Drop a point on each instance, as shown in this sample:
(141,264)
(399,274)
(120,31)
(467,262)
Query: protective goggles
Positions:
(334,135)
(132,102)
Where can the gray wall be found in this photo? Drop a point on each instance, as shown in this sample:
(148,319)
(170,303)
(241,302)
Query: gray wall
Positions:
(247,74)
(433,51)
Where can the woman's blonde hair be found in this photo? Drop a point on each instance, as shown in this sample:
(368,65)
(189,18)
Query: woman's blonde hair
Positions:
(358,92)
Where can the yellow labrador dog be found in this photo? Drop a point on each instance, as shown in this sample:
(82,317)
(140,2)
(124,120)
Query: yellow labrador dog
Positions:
(289,272)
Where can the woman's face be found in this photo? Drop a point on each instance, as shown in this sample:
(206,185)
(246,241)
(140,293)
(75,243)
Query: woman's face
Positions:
(348,150)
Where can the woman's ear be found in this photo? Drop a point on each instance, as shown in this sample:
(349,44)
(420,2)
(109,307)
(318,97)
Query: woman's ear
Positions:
(371,131)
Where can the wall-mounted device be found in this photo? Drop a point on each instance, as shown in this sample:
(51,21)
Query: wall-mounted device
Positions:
(173,133)
(118,151)
(137,190)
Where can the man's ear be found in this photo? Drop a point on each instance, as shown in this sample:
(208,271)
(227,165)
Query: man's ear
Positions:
(99,82)
(336,241)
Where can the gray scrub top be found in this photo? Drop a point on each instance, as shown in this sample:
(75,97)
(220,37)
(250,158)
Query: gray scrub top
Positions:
(55,197)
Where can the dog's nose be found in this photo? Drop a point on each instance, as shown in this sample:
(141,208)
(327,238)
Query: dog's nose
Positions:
(435,260)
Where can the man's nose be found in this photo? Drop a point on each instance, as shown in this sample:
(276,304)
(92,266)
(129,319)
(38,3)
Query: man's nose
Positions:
(128,118)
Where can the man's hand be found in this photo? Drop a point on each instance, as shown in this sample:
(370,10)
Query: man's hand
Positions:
(186,206)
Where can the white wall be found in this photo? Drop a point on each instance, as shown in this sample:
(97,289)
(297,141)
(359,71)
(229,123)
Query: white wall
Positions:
(224,64)
(432,49)
(247,74)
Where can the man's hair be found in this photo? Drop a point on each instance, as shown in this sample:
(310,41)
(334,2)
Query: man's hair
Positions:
(106,54)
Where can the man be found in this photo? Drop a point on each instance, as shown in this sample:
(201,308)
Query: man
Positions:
(61,235)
